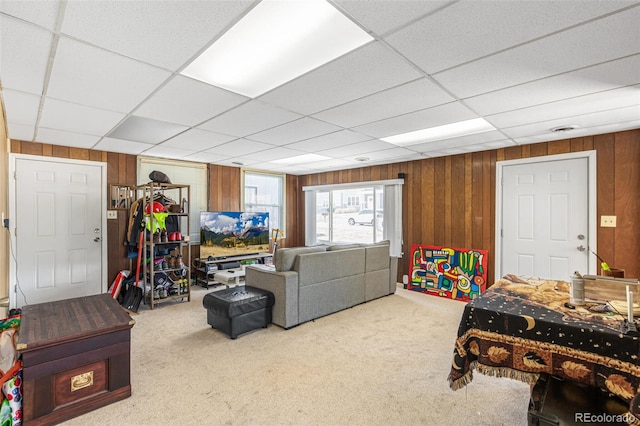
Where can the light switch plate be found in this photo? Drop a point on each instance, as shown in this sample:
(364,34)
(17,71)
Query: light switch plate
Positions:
(608,221)
(112,214)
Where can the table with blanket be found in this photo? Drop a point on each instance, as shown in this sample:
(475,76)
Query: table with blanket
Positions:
(521,329)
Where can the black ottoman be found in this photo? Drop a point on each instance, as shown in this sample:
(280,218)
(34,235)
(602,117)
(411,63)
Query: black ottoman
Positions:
(238,309)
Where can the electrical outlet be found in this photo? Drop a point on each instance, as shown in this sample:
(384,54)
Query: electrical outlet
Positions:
(608,221)
(112,214)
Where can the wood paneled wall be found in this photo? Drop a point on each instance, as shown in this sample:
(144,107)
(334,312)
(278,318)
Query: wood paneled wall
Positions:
(446,200)
(451,200)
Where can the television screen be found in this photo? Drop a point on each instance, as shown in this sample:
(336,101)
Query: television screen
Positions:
(233,233)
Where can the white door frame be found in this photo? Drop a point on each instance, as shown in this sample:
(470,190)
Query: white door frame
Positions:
(591,201)
(13,213)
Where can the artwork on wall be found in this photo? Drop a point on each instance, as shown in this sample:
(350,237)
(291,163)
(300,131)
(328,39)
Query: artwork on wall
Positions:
(454,273)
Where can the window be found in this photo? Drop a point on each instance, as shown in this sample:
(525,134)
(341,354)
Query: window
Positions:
(183,173)
(363,212)
(264,192)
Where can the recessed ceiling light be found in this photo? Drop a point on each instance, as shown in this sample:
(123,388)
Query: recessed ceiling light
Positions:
(276,42)
(362,159)
(566,128)
(447,131)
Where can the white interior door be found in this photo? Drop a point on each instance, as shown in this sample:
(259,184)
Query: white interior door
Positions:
(545,212)
(58,228)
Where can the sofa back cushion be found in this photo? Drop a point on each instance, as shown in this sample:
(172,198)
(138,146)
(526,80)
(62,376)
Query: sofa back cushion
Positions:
(316,268)
(377,256)
(285,257)
(334,247)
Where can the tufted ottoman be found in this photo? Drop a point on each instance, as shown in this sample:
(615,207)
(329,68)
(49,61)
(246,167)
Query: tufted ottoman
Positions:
(238,309)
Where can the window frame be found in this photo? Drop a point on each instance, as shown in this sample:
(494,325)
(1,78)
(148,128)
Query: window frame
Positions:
(282,196)
(392,209)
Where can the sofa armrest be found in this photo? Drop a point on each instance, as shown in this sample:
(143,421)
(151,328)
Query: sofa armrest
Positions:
(283,285)
(393,274)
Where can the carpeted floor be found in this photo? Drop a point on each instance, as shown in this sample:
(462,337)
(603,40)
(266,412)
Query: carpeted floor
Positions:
(381,363)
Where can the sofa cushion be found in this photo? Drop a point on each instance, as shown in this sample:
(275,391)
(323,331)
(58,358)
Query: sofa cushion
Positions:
(285,257)
(377,256)
(334,247)
(316,268)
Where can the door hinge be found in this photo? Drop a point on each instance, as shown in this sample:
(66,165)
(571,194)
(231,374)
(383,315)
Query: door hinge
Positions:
(501,233)
(15,176)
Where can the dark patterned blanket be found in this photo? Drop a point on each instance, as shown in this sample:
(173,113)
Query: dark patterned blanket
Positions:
(522,328)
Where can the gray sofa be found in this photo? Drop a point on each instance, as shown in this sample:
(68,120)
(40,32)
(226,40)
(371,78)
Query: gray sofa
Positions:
(310,282)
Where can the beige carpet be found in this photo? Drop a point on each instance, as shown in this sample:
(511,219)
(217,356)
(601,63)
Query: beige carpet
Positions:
(381,363)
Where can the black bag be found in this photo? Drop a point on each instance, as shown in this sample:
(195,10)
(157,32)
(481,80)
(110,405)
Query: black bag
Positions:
(159,177)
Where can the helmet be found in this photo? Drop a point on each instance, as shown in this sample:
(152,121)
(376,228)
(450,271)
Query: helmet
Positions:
(157,208)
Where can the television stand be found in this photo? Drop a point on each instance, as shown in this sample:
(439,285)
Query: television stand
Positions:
(206,270)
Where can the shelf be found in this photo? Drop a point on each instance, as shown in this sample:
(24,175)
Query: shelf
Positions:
(155,191)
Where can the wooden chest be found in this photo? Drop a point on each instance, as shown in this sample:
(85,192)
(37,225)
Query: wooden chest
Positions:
(76,357)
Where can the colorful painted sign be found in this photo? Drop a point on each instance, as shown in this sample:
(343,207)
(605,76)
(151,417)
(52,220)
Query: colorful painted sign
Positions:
(454,273)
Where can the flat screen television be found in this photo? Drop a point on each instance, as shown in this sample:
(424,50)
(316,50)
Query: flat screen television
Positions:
(233,233)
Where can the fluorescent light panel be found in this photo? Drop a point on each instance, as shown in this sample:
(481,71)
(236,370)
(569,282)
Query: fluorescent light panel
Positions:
(305,158)
(276,42)
(447,131)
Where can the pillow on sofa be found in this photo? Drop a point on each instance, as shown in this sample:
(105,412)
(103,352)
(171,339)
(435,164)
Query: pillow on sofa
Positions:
(285,257)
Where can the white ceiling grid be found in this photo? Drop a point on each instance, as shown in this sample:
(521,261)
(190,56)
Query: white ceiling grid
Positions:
(105,75)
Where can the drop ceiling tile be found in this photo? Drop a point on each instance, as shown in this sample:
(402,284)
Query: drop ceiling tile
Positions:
(382,16)
(163,33)
(601,118)
(145,130)
(610,99)
(295,131)
(489,146)
(277,153)
(331,140)
(469,30)
(409,97)
(242,161)
(361,149)
(24,50)
(423,119)
(206,157)
(61,137)
(186,101)
(94,77)
(334,163)
(610,75)
(239,147)
(364,71)
(19,131)
(458,142)
(122,146)
(197,140)
(22,108)
(164,151)
(589,131)
(599,41)
(43,13)
(390,154)
(249,118)
(77,118)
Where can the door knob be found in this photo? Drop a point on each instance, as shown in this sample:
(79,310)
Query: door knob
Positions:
(581,248)
(98,239)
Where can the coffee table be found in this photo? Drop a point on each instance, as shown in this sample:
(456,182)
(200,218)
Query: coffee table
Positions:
(227,275)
